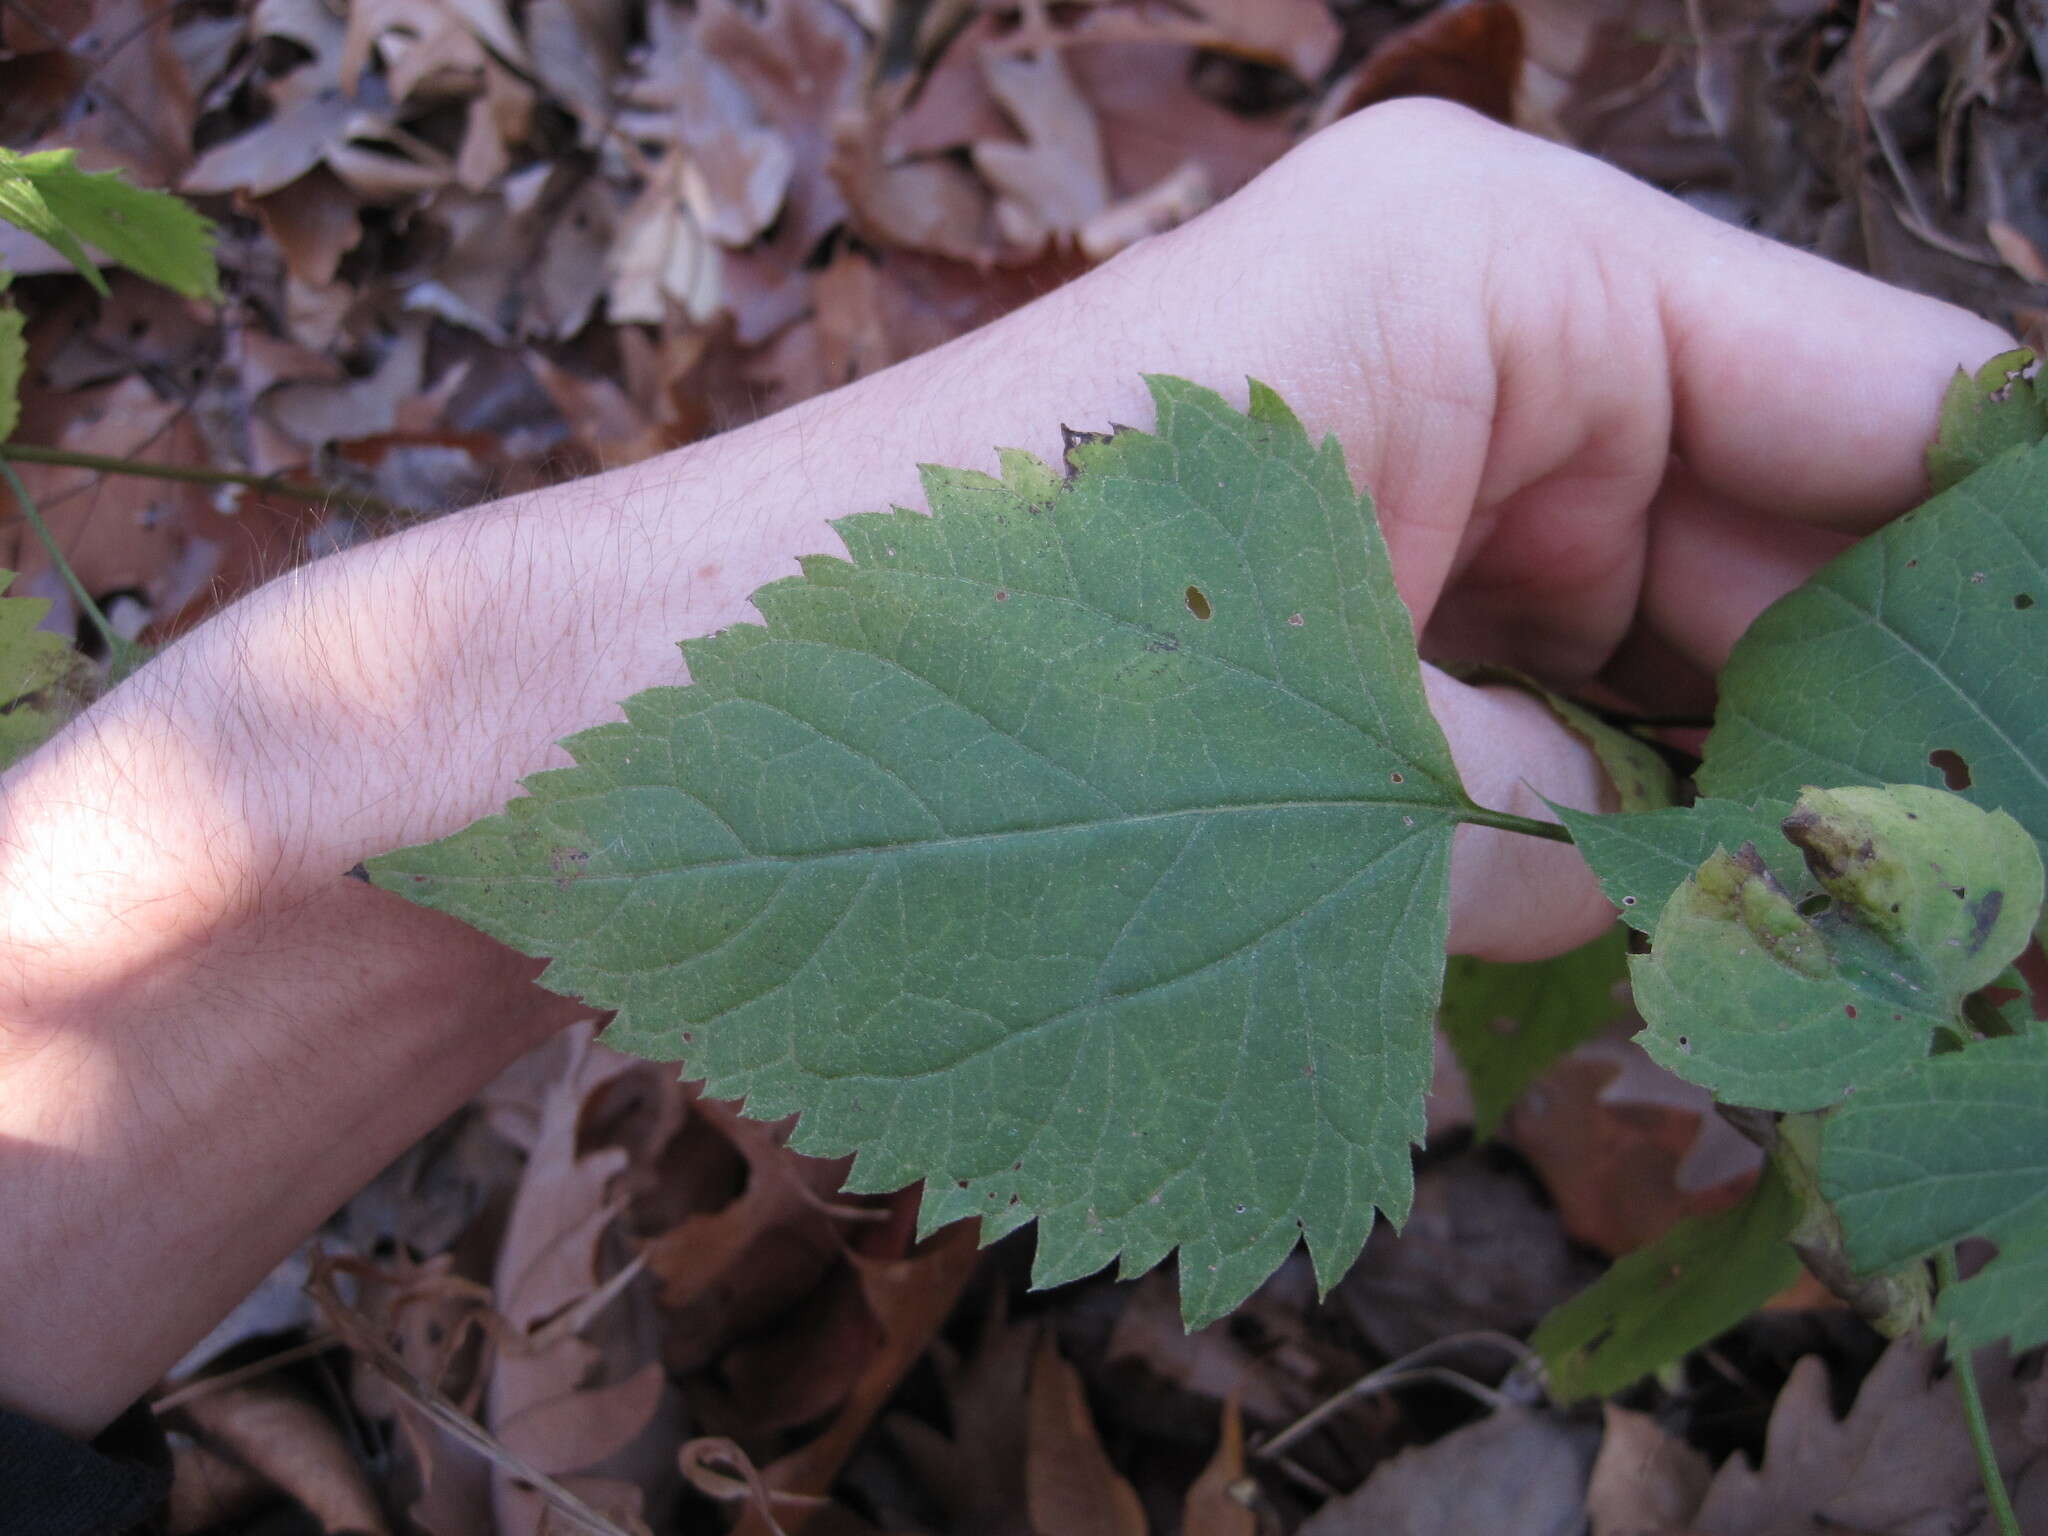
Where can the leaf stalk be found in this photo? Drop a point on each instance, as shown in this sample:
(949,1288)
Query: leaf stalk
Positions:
(123,654)
(1973,1415)
(1507,821)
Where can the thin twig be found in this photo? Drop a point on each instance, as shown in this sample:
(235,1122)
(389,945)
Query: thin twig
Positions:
(1973,1414)
(191,474)
(363,1339)
(206,1384)
(1402,1372)
(123,655)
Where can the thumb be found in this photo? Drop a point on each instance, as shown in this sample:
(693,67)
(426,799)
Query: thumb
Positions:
(1515,897)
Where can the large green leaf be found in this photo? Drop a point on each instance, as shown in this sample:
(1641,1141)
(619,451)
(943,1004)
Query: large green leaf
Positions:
(1697,1281)
(1080,849)
(1792,995)
(1952,1147)
(1916,657)
(155,234)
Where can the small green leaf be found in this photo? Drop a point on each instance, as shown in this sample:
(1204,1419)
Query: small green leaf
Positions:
(1998,409)
(1915,657)
(156,235)
(13,363)
(1641,858)
(1952,1147)
(1697,1281)
(1642,779)
(31,660)
(1080,849)
(1792,994)
(1508,1023)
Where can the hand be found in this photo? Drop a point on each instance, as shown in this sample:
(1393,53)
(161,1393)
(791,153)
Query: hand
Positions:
(1603,430)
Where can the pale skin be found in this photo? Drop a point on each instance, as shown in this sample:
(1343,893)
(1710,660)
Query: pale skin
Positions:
(1603,431)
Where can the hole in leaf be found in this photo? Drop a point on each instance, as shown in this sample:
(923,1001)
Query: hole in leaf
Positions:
(1296,620)
(1628,901)
(1002,596)
(1397,778)
(1685,1044)
(1198,603)
(1814,905)
(2023,600)
(1954,771)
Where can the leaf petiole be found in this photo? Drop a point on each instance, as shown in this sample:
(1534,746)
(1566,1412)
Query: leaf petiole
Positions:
(1507,821)
(1973,1414)
(123,655)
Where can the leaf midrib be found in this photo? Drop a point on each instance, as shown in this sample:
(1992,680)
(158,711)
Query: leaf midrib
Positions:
(861,850)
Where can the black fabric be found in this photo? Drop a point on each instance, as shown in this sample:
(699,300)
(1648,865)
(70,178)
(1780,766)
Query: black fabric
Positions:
(52,1485)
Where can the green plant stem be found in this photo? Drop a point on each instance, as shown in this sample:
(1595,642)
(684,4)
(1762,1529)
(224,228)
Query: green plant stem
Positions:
(123,656)
(108,464)
(1506,821)
(1973,1415)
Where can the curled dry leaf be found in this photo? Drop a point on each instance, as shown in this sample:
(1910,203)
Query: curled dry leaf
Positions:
(268,1429)
(910,1295)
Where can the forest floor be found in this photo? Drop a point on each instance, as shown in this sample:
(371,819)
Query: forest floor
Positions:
(471,246)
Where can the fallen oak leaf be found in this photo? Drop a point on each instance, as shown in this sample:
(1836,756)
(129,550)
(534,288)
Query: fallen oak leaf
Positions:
(1053,183)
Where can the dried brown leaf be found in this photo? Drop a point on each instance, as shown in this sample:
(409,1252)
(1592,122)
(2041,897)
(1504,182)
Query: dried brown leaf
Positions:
(1512,1471)
(1300,35)
(1212,1362)
(976,1474)
(295,1447)
(1626,1149)
(1215,1506)
(1900,1462)
(910,1296)
(1645,1481)
(1070,1485)
(314,222)
(1471,54)
(1056,180)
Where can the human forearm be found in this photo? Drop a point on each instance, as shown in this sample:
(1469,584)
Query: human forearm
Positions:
(207,1036)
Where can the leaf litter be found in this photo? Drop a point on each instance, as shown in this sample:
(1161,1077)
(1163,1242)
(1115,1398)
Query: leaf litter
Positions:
(470,247)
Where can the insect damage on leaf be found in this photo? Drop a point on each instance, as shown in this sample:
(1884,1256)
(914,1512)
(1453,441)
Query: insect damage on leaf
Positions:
(1998,408)
(1790,993)
(1080,848)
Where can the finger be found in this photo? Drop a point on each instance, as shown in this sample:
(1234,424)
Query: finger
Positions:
(1714,566)
(1798,386)
(1515,897)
